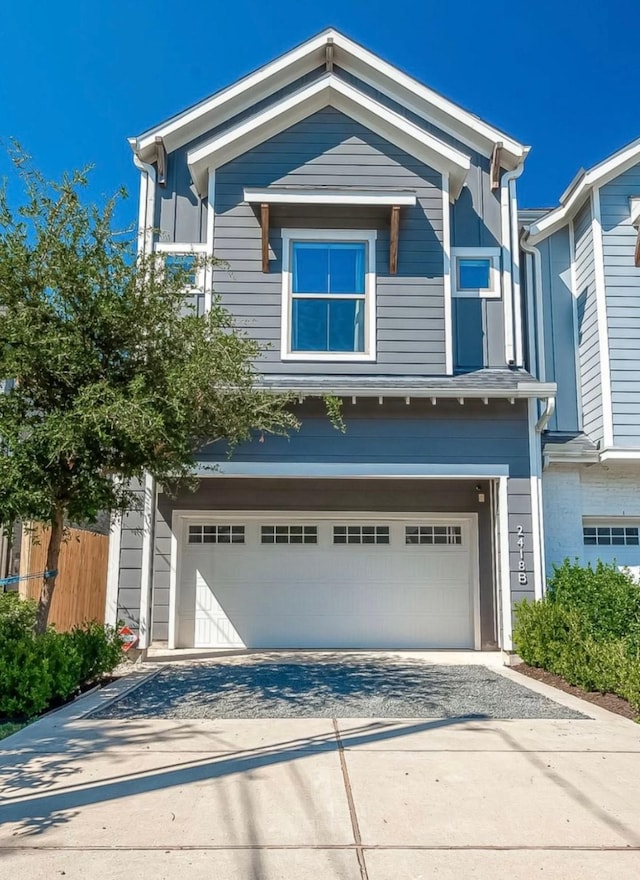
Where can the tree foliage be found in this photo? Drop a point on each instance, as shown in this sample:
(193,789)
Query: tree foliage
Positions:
(112,373)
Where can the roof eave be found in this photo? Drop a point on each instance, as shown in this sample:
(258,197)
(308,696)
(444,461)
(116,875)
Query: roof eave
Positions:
(223,105)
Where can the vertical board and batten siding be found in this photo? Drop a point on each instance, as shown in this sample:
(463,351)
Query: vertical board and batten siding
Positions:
(559,331)
(330,149)
(588,342)
(622,281)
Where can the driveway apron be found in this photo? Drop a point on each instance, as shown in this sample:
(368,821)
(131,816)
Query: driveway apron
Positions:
(482,774)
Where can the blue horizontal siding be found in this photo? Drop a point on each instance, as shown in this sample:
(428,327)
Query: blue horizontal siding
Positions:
(622,281)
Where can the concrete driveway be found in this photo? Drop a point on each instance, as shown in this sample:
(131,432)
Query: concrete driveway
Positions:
(322,798)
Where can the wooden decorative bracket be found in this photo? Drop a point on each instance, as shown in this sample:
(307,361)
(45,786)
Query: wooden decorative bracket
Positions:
(393,240)
(494,172)
(264,223)
(328,49)
(161,162)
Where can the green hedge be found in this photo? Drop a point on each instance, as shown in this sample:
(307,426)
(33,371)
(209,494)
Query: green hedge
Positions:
(586,629)
(38,671)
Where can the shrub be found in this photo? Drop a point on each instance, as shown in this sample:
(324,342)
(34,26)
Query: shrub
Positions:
(608,599)
(587,630)
(17,616)
(36,671)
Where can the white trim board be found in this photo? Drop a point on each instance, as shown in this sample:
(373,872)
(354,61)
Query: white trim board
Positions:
(354,470)
(351,57)
(505,639)
(309,196)
(113,571)
(578,190)
(328,90)
(603,330)
(446,275)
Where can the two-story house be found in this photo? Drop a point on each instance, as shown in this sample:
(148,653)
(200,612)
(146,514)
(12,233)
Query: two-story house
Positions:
(369,232)
(582,269)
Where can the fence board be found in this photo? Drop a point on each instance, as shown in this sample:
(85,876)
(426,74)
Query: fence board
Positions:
(81,587)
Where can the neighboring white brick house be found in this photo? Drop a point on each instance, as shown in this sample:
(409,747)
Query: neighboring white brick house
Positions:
(587,496)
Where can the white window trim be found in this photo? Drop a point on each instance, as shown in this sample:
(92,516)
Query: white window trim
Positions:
(476,253)
(368,236)
(186,249)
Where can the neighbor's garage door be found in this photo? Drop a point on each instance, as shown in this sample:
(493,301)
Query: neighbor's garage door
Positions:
(612,541)
(327,584)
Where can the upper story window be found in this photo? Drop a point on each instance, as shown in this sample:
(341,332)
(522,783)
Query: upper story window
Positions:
(184,257)
(476,272)
(328,303)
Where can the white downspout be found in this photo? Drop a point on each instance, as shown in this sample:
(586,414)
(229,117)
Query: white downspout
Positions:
(510,263)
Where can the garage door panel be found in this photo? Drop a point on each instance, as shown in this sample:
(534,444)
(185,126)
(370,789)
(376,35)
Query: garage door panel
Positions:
(323,595)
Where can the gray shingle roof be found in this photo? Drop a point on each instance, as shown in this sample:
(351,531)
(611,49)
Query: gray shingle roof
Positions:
(497,383)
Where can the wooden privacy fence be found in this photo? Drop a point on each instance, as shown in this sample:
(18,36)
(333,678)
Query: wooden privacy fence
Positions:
(81,587)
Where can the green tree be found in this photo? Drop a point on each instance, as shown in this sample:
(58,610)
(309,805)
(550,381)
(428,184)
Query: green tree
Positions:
(111,379)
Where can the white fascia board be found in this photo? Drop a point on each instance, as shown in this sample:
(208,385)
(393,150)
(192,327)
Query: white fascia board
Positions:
(425,102)
(523,391)
(294,196)
(348,470)
(234,99)
(353,58)
(329,90)
(580,187)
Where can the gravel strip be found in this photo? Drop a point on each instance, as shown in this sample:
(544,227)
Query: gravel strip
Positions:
(372,688)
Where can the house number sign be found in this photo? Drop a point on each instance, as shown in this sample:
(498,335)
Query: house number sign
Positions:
(522,569)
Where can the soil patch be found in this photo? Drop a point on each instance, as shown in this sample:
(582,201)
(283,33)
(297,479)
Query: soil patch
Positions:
(611,702)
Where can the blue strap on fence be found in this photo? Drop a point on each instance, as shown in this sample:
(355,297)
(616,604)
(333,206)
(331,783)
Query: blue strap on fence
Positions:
(16,578)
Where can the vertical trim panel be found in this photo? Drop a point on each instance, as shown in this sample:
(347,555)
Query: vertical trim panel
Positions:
(446,252)
(515,274)
(537,529)
(576,333)
(211,216)
(146,569)
(530,288)
(173,582)
(113,570)
(603,332)
(506,642)
(507,289)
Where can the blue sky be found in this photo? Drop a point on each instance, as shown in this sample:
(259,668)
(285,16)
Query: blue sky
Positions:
(78,77)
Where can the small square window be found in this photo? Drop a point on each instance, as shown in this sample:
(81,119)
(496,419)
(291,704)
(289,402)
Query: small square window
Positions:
(183,263)
(475,272)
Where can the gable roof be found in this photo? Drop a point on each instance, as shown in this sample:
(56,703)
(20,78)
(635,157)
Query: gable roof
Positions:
(332,90)
(580,187)
(349,57)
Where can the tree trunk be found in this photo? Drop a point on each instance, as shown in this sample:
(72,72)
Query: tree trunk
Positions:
(56,535)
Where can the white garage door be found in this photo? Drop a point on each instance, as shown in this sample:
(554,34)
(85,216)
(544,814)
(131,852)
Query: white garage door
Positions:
(304,583)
